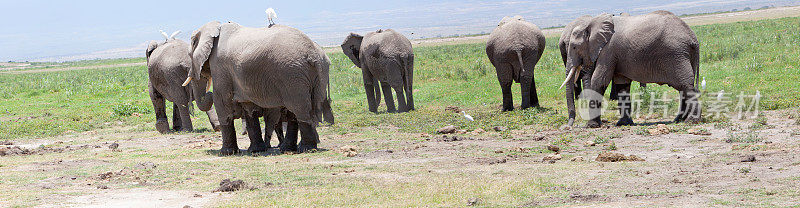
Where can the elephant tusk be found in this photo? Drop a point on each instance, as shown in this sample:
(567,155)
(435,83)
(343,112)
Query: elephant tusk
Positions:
(189,79)
(570,76)
(208,86)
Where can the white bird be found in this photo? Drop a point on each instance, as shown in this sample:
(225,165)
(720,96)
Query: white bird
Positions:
(271,15)
(164,34)
(467,116)
(720,95)
(703,84)
(174,34)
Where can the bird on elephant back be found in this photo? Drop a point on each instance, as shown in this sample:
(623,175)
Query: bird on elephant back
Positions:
(168,63)
(657,47)
(261,68)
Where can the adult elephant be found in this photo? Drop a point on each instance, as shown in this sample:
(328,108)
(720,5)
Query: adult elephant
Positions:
(514,48)
(273,67)
(384,56)
(653,48)
(167,65)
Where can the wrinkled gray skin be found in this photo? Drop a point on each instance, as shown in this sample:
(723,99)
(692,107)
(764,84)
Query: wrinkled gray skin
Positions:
(275,67)
(167,66)
(384,56)
(514,48)
(653,48)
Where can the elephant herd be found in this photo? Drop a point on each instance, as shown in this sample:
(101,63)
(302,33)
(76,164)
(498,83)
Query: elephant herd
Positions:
(279,73)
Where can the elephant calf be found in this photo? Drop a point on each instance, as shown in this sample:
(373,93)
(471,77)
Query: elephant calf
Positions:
(384,56)
(168,64)
(514,48)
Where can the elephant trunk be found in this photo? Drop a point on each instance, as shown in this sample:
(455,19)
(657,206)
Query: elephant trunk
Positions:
(202,96)
(570,81)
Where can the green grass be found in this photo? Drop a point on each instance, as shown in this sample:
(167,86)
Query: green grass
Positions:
(83,63)
(736,57)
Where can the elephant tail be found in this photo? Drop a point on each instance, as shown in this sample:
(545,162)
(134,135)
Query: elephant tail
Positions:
(519,58)
(695,59)
(321,97)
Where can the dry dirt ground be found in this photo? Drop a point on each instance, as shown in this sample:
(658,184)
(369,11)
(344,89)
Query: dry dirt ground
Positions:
(736,163)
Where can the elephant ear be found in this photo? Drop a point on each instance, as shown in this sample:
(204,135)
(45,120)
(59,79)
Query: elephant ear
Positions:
(352,48)
(202,43)
(600,31)
(150,48)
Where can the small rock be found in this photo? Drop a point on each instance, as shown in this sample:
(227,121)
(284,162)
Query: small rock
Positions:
(499,128)
(554,148)
(197,195)
(498,151)
(591,143)
(447,130)
(113,146)
(102,187)
(145,165)
(478,131)
(538,138)
(187,206)
(577,159)
(551,158)
(473,201)
(748,158)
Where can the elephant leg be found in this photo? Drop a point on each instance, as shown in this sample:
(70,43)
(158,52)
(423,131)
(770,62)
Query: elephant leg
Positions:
(694,110)
(624,104)
(254,132)
(213,119)
(682,110)
(508,100)
(185,117)
(534,96)
(371,89)
(604,73)
(229,146)
(290,141)
(387,94)
(525,89)
(310,138)
(176,118)
(279,132)
(162,124)
(272,117)
(402,106)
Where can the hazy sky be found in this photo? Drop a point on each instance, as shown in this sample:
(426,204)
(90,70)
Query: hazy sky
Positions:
(37,29)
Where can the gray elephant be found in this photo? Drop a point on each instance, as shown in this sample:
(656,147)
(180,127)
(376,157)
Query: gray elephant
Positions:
(274,67)
(167,66)
(514,48)
(653,48)
(384,56)
(273,120)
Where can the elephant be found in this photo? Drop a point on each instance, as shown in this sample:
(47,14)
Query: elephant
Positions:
(272,67)
(514,48)
(167,66)
(273,120)
(384,56)
(657,47)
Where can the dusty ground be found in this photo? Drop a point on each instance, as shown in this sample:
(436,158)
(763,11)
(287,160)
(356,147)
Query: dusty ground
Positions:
(704,165)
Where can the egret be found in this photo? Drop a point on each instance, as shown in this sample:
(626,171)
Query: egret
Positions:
(467,116)
(703,84)
(164,34)
(720,95)
(271,15)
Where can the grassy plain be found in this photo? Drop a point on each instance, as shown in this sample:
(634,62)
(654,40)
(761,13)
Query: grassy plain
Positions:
(400,161)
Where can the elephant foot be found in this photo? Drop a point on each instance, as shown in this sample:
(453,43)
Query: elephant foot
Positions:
(694,120)
(508,109)
(625,121)
(308,148)
(594,123)
(679,119)
(162,126)
(258,148)
(225,151)
(288,148)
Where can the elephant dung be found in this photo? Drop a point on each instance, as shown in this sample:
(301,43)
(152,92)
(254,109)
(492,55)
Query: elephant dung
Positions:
(553,148)
(228,185)
(551,158)
(577,159)
(499,128)
(616,157)
(447,130)
(348,151)
(697,131)
(478,131)
(660,129)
